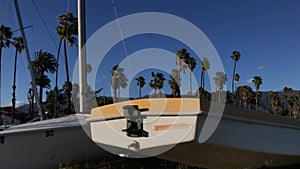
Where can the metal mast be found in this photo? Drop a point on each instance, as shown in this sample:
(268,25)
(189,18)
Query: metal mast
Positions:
(82,56)
(33,84)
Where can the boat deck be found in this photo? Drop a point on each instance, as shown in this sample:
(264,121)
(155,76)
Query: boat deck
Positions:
(181,106)
(165,106)
(71,121)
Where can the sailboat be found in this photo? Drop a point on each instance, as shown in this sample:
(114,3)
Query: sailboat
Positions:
(47,143)
(196,132)
(170,128)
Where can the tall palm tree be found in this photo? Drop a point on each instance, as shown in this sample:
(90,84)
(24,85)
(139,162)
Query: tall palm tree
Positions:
(67,28)
(140,83)
(181,57)
(257,80)
(236,78)
(5,40)
(43,62)
(118,80)
(220,80)
(18,43)
(157,83)
(191,63)
(205,67)
(56,91)
(235,57)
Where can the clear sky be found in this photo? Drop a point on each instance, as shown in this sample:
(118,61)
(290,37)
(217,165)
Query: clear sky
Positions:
(266,32)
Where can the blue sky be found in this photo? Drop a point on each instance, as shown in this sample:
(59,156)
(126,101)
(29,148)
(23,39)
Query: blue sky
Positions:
(266,32)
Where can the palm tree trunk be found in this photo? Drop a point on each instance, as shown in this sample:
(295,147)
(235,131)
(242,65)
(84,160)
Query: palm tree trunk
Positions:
(140,92)
(41,96)
(68,91)
(234,68)
(0,71)
(178,81)
(283,102)
(14,90)
(256,100)
(56,78)
(201,84)
(201,79)
(191,90)
(115,95)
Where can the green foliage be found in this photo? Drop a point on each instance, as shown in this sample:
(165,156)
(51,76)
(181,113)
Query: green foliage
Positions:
(118,80)
(67,28)
(257,80)
(274,102)
(5,36)
(50,101)
(128,163)
(173,83)
(220,80)
(158,80)
(157,83)
(236,56)
(245,94)
(236,77)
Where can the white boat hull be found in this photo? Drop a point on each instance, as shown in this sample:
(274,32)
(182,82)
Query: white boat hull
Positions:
(243,139)
(238,143)
(47,144)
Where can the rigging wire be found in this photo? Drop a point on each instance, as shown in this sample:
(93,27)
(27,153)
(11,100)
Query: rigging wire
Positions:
(119,27)
(48,30)
(122,38)
(45,24)
(3,9)
(68,6)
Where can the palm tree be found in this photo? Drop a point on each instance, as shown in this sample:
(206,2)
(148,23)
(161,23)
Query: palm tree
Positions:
(274,101)
(292,102)
(244,93)
(191,63)
(44,62)
(114,80)
(173,85)
(181,57)
(220,80)
(18,43)
(67,28)
(236,78)
(5,40)
(205,67)
(157,83)
(286,91)
(257,80)
(140,83)
(235,57)
(42,81)
(50,101)
(118,80)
